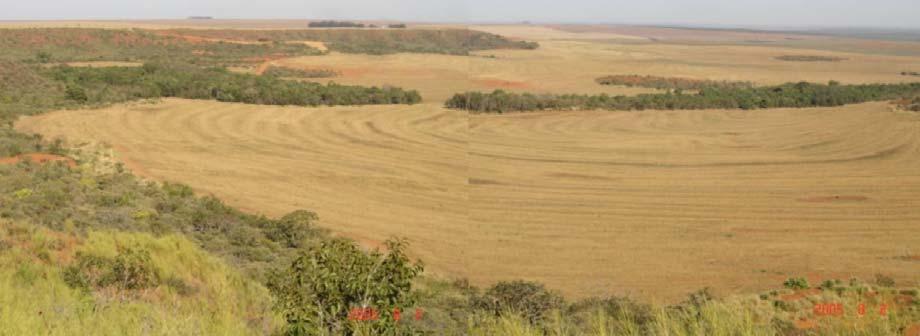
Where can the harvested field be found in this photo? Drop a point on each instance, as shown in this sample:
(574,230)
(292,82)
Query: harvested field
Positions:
(573,67)
(654,204)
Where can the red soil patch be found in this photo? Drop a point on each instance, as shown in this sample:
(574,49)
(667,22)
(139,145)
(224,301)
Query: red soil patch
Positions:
(913,330)
(835,198)
(501,84)
(39,158)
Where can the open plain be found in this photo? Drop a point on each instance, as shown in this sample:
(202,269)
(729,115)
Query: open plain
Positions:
(653,204)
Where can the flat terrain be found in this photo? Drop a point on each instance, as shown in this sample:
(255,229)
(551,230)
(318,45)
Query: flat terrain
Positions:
(572,66)
(654,203)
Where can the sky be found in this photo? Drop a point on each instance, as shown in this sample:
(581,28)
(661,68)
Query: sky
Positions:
(735,13)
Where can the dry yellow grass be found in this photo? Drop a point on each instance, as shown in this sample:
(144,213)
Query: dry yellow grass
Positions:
(654,203)
(572,66)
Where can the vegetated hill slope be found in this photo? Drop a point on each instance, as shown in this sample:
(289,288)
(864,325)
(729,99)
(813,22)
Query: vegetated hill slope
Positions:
(438,41)
(137,283)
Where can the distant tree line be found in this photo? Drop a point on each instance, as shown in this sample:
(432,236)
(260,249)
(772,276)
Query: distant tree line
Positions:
(801,94)
(51,45)
(336,24)
(397,26)
(910,73)
(285,72)
(810,58)
(375,41)
(186,81)
(673,83)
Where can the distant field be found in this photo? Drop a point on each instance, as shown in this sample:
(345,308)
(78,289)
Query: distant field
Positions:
(654,203)
(573,66)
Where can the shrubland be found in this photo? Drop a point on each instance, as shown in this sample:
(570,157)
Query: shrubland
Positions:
(376,41)
(285,72)
(793,95)
(29,89)
(55,45)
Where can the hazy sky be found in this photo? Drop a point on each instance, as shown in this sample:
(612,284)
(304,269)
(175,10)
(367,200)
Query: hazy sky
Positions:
(856,13)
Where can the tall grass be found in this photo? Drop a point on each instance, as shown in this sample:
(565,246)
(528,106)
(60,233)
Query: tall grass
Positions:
(35,300)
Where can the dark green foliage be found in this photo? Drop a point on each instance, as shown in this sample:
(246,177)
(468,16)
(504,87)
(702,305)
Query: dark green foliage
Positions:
(284,72)
(529,299)
(293,229)
(336,24)
(154,80)
(76,93)
(910,73)
(397,26)
(317,292)
(131,269)
(377,41)
(810,58)
(788,95)
(796,283)
(673,83)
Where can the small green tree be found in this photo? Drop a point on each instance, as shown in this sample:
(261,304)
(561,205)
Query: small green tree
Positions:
(317,292)
(43,57)
(76,93)
(293,229)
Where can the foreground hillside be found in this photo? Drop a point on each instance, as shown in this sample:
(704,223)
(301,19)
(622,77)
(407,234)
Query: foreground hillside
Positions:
(160,285)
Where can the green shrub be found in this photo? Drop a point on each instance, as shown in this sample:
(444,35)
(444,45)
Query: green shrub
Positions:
(796,283)
(317,292)
(43,57)
(76,93)
(530,300)
(293,229)
(131,269)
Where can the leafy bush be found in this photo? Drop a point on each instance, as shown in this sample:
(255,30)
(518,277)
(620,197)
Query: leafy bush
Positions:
(131,269)
(293,229)
(317,292)
(796,283)
(530,300)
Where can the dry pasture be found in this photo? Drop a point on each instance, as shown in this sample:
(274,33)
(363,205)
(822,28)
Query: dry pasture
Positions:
(654,204)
